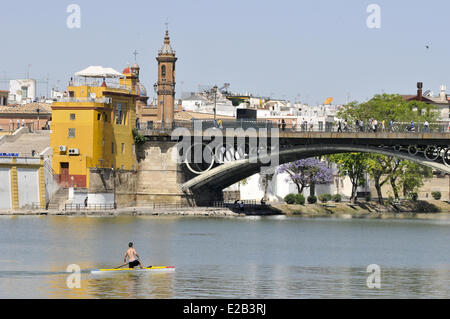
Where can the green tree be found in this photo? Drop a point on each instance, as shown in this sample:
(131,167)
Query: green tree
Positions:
(379,168)
(389,107)
(413,177)
(354,166)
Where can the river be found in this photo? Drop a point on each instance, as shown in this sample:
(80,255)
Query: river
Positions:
(245,257)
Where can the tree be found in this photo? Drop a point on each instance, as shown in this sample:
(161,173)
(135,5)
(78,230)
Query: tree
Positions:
(379,167)
(413,175)
(354,166)
(264,180)
(389,107)
(307,172)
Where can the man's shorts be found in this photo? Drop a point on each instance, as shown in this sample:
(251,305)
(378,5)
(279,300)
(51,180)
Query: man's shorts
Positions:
(133,264)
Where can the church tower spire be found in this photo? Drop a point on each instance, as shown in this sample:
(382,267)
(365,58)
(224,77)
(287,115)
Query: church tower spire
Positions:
(166,83)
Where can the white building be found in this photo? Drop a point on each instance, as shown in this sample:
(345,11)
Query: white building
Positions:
(22,91)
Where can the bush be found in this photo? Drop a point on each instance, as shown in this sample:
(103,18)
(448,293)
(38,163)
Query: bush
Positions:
(312,199)
(413,196)
(290,199)
(299,199)
(436,195)
(325,198)
(390,200)
(337,198)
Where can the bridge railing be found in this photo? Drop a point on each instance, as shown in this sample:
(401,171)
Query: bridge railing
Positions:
(319,126)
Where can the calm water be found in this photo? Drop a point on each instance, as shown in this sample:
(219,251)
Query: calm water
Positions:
(271,257)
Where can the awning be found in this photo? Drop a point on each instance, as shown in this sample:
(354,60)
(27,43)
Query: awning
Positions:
(99,72)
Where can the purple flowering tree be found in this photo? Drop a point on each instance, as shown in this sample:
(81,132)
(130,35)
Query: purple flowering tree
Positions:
(307,173)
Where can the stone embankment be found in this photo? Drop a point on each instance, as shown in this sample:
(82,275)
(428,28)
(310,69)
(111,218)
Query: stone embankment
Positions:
(133,211)
(431,209)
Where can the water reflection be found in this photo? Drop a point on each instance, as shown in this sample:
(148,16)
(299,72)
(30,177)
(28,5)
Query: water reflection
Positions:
(270,257)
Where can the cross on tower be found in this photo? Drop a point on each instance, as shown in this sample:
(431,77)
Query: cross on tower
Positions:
(167,24)
(135,53)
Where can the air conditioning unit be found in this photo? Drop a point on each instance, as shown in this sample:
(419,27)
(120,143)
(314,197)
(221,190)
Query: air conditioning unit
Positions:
(62,148)
(74,151)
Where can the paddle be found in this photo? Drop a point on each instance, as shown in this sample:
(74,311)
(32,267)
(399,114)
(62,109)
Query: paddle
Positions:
(121,266)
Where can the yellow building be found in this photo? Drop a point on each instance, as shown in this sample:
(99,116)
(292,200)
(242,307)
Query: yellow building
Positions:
(92,125)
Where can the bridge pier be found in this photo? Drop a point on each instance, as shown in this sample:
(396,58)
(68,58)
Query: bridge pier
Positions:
(160,176)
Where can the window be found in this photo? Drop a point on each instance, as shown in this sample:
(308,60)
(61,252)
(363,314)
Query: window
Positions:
(119,113)
(72,116)
(133,149)
(123,148)
(112,147)
(71,133)
(103,143)
(124,114)
(122,167)
(99,116)
(24,92)
(163,71)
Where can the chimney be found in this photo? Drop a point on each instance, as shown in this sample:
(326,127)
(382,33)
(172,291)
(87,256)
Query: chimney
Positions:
(419,91)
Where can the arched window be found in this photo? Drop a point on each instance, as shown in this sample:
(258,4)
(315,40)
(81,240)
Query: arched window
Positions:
(163,71)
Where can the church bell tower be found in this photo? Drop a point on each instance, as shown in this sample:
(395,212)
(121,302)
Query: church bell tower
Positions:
(166,83)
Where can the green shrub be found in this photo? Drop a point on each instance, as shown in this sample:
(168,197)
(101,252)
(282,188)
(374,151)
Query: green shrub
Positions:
(312,199)
(299,199)
(325,198)
(413,196)
(337,198)
(290,199)
(390,200)
(436,195)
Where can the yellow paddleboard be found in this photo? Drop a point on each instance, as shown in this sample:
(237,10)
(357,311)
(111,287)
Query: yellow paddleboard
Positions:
(136,269)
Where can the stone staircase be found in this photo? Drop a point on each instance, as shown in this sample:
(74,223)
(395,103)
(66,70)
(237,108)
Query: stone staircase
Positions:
(58,201)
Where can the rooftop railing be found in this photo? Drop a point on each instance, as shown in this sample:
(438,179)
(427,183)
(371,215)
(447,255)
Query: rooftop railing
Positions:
(112,85)
(104,100)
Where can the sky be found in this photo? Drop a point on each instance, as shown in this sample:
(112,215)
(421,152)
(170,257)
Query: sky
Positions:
(297,50)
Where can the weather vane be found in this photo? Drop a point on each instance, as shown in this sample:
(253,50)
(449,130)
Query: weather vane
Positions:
(167,24)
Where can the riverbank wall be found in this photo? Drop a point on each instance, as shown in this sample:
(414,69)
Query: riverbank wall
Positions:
(407,209)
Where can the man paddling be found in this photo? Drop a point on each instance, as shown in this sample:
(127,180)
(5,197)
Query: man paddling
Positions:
(133,257)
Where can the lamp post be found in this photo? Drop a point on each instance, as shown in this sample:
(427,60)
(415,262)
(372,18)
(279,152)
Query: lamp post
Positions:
(214,90)
(38,110)
(155,88)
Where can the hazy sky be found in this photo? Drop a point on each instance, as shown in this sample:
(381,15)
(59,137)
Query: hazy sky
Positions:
(314,49)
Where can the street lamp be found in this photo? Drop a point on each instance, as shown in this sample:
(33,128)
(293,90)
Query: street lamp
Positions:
(38,110)
(214,90)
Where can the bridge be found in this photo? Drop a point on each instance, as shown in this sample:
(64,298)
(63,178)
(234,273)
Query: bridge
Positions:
(238,158)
